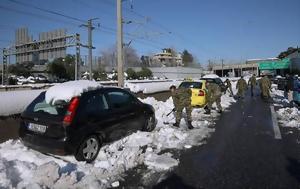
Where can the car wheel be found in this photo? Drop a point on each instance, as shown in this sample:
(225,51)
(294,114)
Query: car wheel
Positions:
(88,149)
(149,123)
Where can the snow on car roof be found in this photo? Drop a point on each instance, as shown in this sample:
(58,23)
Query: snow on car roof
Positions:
(210,76)
(66,91)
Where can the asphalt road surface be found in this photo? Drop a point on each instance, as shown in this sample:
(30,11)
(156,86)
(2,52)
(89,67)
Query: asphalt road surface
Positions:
(246,151)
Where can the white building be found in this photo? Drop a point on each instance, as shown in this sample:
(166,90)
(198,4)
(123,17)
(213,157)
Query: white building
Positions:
(167,58)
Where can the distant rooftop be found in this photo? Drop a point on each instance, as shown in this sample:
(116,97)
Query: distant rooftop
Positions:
(261,59)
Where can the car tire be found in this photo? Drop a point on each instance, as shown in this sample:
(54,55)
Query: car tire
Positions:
(89,148)
(149,123)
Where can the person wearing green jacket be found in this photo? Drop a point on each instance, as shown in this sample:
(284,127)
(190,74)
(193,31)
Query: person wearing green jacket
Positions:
(252,82)
(241,87)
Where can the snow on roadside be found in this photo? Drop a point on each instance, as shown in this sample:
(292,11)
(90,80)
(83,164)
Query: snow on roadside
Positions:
(21,167)
(15,102)
(289,117)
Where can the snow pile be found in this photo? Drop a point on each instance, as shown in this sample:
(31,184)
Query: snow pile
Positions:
(151,87)
(21,167)
(15,102)
(160,162)
(33,169)
(289,117)
(277,93)
(278,97)
(66,91)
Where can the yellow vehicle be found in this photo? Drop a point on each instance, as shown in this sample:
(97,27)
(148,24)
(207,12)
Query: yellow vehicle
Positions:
(198,91)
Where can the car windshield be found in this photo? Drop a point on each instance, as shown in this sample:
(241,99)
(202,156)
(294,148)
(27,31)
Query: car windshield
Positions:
(39,105)
(194,85)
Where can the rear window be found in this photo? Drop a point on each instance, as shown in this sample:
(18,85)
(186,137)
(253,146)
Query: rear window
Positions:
(194,85)
(39,105)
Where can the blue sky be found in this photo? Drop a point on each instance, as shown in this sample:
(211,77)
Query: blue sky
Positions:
(233,30)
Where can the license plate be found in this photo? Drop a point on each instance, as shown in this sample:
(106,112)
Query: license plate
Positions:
(37,128)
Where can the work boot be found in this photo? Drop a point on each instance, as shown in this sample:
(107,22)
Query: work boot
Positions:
(190,126)
(176,124)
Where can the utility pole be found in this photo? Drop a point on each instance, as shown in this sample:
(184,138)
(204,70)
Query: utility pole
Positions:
(120,44)
(4,65)
(3,59)
(90,27)
(77,56)
(222,67)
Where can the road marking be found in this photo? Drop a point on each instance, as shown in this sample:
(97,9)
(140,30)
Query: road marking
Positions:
(277,134)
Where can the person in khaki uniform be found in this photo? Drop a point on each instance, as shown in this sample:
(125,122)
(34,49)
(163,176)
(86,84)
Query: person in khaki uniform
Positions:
(214,94)
(265,87)
(252,82)
(241,87)
(174,97)
(228,86)
(182,100)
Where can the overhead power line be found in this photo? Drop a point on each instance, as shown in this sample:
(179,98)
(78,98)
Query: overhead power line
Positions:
(46,10)
(34,15)
(105,29)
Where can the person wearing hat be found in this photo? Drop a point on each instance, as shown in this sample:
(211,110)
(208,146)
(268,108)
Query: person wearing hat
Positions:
(213,95)
(241,87)
(182,100)
(228,86)
(252,82)
(265,87)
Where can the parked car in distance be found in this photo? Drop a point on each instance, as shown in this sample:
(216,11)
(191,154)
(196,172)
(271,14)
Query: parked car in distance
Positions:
(198,87)
(82,125)
(217,81)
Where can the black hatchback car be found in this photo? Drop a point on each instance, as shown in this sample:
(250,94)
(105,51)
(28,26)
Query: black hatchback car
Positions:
(81,126)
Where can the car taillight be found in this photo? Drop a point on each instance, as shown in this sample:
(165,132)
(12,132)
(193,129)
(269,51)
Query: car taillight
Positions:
(201,93)
(71,111)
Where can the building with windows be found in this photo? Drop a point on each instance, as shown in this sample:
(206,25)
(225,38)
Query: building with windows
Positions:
(167,58)
(260,67)
(48,46)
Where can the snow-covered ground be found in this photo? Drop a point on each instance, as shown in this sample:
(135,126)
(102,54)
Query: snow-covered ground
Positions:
(21,167)
(287,116)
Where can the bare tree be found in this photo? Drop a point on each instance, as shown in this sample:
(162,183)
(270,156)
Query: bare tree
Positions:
(108,57)
(210,65)
(130,57)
